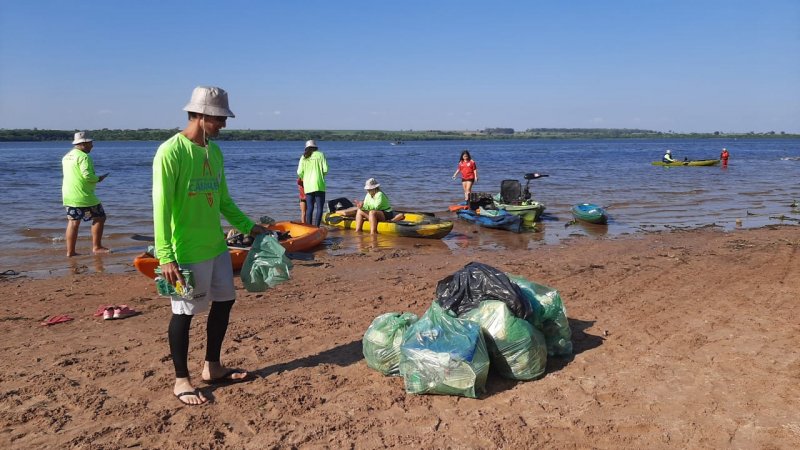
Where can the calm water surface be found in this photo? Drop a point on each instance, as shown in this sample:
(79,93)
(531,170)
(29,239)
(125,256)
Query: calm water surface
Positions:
(759,182)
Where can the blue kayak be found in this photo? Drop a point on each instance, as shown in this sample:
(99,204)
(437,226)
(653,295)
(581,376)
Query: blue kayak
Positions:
(503,221)
(589,212)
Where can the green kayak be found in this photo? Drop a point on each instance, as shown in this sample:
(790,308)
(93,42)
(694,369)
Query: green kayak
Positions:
(589,212)
(528,212)
(696,162)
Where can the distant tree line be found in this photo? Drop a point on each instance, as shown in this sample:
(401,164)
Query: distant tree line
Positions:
(148,134)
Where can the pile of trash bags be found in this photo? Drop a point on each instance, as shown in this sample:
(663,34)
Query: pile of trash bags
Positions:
(481,318)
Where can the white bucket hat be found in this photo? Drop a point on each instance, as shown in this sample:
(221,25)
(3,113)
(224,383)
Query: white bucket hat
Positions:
(209,100)
(372,183)
(669,151)
(80,138)
(311,143)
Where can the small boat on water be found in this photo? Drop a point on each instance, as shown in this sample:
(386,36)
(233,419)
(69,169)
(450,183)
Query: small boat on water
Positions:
(301,238)
(515,199)
(497,219)
(416,225)
(528,210)
(695,162)
(589,212)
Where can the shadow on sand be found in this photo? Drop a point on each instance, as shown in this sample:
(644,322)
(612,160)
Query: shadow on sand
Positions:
(341,355)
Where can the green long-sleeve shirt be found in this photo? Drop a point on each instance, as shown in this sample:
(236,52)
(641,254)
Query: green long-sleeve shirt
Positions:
(189,194)
(312,170)
(77,188)
(378,203)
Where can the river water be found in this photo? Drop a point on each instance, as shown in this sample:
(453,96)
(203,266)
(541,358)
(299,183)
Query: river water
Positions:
(758,184)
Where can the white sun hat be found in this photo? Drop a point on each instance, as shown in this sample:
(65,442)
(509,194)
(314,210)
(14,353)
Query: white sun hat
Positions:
(209,100)
(80,138)
(372,183)
(669,151)
(311,143)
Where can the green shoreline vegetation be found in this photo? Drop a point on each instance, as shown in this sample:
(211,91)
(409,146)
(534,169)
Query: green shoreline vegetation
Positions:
(149,134)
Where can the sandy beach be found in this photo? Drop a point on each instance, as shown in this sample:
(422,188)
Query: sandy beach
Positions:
(683,339)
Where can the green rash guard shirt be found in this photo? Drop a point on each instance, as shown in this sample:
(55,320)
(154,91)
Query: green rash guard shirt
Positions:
(77,189)
(312,170)
(378,203)
(189,194)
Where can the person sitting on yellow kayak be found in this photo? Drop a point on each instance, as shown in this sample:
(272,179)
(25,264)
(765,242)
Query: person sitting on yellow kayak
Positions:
(375,208)
(668,157)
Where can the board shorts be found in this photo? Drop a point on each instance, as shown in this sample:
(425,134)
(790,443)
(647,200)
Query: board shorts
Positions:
(86,213)
(389,215)
(213,282)
(468,179)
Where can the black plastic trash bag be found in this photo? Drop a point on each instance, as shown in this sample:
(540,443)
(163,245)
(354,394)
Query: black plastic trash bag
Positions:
(476,282)
(381,343)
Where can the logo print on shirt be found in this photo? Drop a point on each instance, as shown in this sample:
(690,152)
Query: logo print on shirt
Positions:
(206,184)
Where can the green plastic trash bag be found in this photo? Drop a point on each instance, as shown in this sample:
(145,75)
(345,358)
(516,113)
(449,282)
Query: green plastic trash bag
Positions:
(381,343)
(266,264)
(442,354)
(549,315)
(516,349)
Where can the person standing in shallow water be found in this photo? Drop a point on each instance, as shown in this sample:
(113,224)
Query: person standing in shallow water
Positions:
(469,173)
(77,194)
(724,157)
(189,195)
(312,169)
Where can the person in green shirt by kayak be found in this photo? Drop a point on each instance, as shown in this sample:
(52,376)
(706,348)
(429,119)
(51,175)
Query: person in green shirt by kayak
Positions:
(77,193)
(375,208)
(312,169)
(189,195)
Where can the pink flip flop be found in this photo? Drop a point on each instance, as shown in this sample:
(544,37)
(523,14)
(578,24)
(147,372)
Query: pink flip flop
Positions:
(102,309)
(61,318)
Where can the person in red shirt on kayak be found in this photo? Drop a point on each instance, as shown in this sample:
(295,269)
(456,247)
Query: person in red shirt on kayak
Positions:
(469,173)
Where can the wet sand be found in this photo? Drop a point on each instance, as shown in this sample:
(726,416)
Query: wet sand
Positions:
(683,339)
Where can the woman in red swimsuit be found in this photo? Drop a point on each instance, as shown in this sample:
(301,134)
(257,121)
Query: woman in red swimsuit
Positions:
(469,173)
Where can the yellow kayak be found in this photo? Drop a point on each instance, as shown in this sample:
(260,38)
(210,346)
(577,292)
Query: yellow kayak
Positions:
(414,225)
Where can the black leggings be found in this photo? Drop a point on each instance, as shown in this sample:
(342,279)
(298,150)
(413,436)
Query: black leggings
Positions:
(216,328)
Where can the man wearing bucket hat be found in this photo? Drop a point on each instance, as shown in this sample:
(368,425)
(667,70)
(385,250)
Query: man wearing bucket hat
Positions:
(77,193)
(189,194)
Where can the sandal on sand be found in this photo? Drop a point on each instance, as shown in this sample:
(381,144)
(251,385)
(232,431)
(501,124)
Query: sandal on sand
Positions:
(102,309)
(122,311)
(227,378)
(195,392)
(61,318)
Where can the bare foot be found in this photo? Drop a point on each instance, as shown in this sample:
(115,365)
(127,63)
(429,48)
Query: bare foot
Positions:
(186,393)
(217,373)
(69,255)
(100,250)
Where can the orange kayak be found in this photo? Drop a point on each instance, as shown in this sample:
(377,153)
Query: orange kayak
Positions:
(303,237)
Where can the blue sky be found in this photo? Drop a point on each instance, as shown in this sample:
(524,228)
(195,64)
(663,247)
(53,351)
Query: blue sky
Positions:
(685,66)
